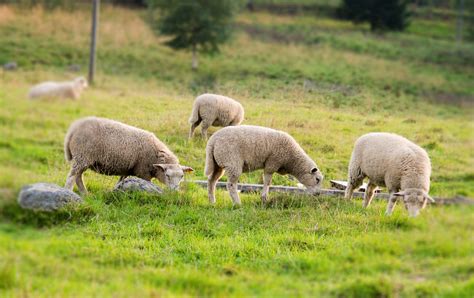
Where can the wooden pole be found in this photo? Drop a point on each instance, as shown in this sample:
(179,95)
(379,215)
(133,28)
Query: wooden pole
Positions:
(460,22)
(95,23)
(195,58)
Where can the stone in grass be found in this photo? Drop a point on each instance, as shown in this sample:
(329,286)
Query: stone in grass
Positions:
(46,197)
(74,68)
(9,66)
(137,184)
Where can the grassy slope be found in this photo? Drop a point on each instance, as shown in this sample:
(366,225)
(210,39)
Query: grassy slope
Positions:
(325,93)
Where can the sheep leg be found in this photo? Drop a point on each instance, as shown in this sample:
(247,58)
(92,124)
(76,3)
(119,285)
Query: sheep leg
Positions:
(369,194)
(71,177)
(75,95)
(232,188)
(211,183)
(353,184)
(351,187)
(392,200)
(193,127)
(349,192)
(204,128)
(267,180)
(122,178)
(80,184)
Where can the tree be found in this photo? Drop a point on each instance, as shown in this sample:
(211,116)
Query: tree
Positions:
(196,25)
(129,2)
(470,20)
(459,23)
(381,14)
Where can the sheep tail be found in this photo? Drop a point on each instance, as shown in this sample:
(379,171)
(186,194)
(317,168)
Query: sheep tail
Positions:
(67,150)
(210,161)
(194,114)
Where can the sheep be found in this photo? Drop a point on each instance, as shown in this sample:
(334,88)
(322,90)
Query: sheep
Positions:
(112,148)
(69,89)
(247,148)
(214,110)
(395,162)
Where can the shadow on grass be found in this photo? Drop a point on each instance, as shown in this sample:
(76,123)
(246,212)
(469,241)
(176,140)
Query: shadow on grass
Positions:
(193,285)
(183,198)
(94,203)
(403,223)
(291,201)
(10,211)
(367,288)
(7,276)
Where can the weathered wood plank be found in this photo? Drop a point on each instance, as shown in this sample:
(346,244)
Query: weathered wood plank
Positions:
(342,185)
(458,200)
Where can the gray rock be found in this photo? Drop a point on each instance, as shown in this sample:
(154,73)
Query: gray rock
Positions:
(46,197)
(74,68)
(10,65)
(137,184)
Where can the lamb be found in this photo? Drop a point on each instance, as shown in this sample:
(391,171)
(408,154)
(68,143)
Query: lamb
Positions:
(214,110)
(395,162)
(246,148)
(112,148)
(69,89)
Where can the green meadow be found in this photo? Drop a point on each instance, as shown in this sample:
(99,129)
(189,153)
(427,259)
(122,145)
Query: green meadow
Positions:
(324,81)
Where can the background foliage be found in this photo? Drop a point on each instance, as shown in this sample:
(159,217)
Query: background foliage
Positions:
(381,14)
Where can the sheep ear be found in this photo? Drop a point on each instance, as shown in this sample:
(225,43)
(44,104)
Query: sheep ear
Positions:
(314,170)
(429,198)
(187,169)
(160,166)
(399,194)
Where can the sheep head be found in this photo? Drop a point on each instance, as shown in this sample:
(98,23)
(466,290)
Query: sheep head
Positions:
(171,174)
(312,179)
(82,82)
(414,200)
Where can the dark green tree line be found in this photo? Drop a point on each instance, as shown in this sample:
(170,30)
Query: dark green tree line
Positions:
(380,14)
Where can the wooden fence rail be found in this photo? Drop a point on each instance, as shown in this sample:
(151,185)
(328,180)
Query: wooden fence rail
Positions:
(458,200)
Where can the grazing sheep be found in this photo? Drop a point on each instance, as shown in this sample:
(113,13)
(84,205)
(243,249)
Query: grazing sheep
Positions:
(246,148)
(214,110)
(69,89)
(395,162)
(112,148)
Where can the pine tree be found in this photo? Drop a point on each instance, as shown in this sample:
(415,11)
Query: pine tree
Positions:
(196,25)
(381,14)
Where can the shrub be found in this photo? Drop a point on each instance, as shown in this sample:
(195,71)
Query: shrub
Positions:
(381,14)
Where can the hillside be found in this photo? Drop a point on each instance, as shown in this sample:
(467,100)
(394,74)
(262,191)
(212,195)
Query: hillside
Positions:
(324,81)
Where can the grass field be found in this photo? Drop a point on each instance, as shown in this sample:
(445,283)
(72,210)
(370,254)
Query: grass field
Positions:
(324,81)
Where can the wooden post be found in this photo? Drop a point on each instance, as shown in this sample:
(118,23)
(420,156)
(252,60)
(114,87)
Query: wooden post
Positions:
(195,58)
(92,56)
(460,22)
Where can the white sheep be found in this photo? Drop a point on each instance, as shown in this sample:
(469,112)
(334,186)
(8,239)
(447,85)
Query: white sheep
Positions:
(113,148)
(214,110)
(395,162)
(69,89)
(238,149)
